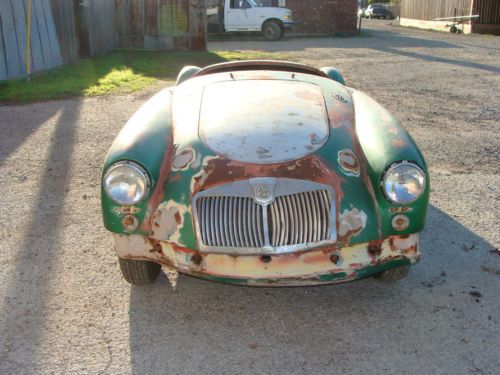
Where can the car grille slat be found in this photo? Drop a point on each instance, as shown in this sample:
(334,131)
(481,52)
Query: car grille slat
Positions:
(300,218)
(230,222)
(239,222)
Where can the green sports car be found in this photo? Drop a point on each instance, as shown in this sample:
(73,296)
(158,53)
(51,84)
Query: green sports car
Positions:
(264,173)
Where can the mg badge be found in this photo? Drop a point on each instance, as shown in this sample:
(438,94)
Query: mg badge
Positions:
(263,189)
(262,192)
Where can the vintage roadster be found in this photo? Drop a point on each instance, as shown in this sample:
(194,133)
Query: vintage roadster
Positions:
(264,173)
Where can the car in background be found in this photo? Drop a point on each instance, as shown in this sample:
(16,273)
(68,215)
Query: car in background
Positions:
(378,11)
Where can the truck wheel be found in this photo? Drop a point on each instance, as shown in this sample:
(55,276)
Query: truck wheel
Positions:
(394,274)
(272,31)
(139,272)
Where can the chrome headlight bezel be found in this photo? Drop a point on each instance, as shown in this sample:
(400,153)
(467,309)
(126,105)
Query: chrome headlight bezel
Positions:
(394,167)
(137,169)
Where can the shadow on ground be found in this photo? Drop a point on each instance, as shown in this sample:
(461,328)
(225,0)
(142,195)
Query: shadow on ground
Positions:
(207,327)
(34,270)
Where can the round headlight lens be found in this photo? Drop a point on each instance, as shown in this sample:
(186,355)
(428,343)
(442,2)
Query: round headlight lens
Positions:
(126,183)
(403,183)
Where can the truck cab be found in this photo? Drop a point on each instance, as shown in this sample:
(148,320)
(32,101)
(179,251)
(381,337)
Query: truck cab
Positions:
(247,15)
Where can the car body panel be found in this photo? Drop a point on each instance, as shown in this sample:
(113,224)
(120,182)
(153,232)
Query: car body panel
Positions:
(181,165)
(324,265)
(295,124)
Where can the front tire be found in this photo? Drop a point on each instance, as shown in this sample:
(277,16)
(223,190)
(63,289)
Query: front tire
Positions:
(394,274)
(272,31)
(139,272)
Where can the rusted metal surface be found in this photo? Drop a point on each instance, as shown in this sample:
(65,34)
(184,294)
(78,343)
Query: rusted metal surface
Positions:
(216,146)
(349,162)
(315,266)
(263,121)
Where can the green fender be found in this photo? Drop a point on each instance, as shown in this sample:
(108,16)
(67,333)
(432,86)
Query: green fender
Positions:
(334,74)
(384,142)
(145,139)
(186,73)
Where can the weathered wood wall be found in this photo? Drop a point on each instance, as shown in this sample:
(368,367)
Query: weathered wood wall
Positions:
(96,26)
(44,51)
(488,10)
(64,17)
(64,30)
(431,9)
(161,24)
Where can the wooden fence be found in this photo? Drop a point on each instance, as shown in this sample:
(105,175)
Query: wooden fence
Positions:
(64,30)
(161,24)
(44,51)
(488,10)
(431,9)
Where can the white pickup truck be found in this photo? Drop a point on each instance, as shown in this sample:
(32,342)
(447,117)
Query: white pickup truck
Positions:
(248,15)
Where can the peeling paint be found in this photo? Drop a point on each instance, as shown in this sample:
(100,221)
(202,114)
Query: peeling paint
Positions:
(351,222)
(126,210)
(183,159)
(400,210)
(301,268)
(348,162)
(400,222)
(168,221)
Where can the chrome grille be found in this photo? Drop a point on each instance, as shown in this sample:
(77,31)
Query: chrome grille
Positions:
(230,221)
(299,218)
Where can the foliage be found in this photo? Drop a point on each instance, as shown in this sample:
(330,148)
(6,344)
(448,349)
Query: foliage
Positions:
(120,71)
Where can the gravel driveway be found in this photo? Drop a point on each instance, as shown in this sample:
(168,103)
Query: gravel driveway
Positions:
(65,308)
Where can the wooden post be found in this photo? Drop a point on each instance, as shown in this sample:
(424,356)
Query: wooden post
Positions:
(28,40)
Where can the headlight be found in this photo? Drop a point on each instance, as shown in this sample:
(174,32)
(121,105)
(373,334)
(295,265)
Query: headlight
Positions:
(288,16)
(126,183)
(403,183)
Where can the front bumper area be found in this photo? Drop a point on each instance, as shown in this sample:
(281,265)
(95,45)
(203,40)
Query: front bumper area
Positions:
(324,265)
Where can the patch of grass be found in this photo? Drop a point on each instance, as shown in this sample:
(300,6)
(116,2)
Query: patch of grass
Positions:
(120,71)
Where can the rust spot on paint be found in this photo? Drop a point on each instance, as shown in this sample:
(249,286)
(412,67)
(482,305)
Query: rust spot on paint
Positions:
(351,222)
(217,171)
(398,142)
(375,248)
(178,217)
(168,220)
(197,259)
(158,192)
(400,222)
(156,246)
(348,162)
(400,210)
(126,210)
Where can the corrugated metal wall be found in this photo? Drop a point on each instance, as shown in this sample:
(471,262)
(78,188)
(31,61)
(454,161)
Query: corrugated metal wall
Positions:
(45,51)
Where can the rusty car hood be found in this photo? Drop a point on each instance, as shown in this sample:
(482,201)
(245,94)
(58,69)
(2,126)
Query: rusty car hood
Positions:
(263,121)
(200,160)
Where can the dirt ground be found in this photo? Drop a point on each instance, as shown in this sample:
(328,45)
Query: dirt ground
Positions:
(65,308)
